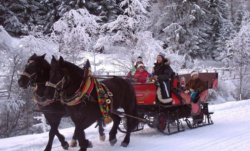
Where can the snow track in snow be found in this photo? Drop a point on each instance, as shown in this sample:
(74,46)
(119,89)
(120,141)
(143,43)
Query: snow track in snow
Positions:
(230,132)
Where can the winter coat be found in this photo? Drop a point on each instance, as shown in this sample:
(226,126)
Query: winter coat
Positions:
(163,70)
(131,73)
(164,73)
(141,77)
(197,85)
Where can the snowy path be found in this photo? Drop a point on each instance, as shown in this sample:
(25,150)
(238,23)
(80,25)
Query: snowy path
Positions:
(231,132)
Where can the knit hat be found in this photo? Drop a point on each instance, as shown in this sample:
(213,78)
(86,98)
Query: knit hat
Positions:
(193,73)
(161,54)
(140,65)
(139,59)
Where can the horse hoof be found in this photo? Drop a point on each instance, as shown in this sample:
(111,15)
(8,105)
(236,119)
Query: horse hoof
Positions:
(112,142)
(102,138)
(124,144)
(90,145)
(73,143)
(83,149)
(65,146)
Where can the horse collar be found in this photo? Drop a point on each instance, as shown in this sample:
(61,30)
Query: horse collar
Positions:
(79,95)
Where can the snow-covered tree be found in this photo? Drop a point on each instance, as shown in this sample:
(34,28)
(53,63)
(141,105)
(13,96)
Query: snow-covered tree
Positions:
(43,124)
(237,10)
(128,35)
(182,26)
(17,16)
(14,111)
(239,56)
(194,29)
(222,28)
(75,32)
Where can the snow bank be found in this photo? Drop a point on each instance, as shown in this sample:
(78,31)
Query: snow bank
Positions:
(230,131)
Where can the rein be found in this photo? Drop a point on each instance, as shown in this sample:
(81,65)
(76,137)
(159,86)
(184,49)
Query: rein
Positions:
(41,101)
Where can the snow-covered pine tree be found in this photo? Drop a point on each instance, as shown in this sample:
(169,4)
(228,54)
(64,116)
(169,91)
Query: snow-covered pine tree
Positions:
(222,28)
(239,56)
(107,10)
(74,33)
(18,16)
(183,26)
(128,35)
(237,10)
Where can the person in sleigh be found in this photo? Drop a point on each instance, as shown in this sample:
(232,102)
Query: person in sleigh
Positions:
(132,72)
(163,73)
(141,74)
(194,86)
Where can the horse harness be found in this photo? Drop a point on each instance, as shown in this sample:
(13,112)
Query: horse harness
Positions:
(82,95)
(56,86)
(41,101)
(27,74)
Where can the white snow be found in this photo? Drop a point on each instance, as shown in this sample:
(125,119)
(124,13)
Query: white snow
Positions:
(230,132)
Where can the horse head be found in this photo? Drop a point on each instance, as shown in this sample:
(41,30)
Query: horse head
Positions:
(64,76)
(34,70)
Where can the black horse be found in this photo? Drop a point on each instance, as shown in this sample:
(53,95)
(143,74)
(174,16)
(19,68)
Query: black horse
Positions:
(67,78)
(37,72)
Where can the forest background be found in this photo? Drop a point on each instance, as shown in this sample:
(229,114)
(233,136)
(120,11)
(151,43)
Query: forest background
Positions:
(210,35)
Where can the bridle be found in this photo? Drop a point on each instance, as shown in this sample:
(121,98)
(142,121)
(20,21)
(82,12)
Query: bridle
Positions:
(60,91)
(58,87)
(30,76)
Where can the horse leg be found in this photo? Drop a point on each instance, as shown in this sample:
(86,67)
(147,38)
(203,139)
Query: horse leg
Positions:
(101,129)
(131,125)
(52,133)
(113,131)
(83,142)
(126,140)
(73,142)
(64,144)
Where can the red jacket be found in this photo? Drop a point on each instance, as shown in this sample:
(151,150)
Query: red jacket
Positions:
(141,77)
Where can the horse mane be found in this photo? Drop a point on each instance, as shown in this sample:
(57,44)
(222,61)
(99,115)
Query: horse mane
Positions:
(44,64)
(73,69)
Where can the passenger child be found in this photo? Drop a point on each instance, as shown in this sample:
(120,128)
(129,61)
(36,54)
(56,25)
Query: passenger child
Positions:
(141,74)
(131,73)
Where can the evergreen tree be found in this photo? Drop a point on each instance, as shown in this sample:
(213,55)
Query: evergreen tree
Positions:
(127,35)
(19,17)
(183,27)
(222,28)
(239,55)
(75,32)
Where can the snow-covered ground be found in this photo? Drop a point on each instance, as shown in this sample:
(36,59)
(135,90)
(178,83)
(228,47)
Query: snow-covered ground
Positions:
(230,132)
